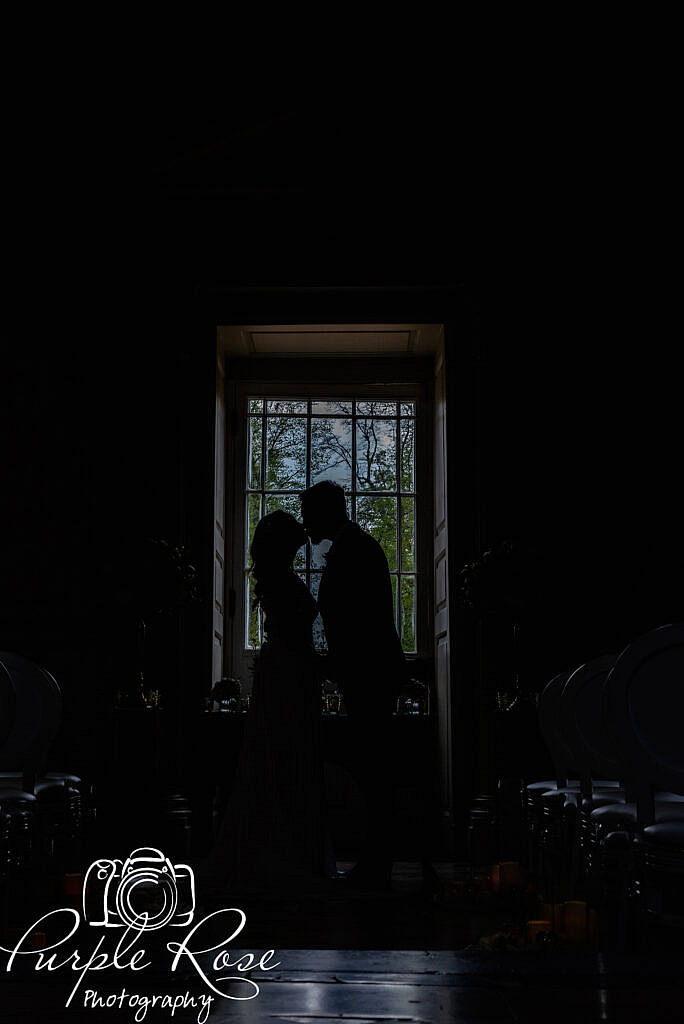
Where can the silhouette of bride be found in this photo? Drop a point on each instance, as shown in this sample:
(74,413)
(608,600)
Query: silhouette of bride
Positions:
(271,835)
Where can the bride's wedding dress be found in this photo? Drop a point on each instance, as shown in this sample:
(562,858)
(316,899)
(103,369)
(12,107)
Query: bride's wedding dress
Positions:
(271,835)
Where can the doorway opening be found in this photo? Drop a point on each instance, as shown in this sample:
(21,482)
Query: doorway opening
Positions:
(363,404)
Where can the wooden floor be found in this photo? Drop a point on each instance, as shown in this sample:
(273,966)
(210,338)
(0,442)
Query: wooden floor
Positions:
(361,987)
(362,959)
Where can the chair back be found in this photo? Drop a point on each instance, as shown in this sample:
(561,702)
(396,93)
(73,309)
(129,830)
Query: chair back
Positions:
(35,700)
(581,709)
(550,725)
(8,705)
(645,701)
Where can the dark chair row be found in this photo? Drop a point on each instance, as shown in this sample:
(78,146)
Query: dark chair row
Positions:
(41,812)
(609,828)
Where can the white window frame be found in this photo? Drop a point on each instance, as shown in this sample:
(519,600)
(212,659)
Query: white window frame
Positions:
(240,658)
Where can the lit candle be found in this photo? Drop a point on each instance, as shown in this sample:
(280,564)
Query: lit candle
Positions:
(558,917)
(511,877)
(536,928)
(575,920)
(546,911)
(73,884)
(454,892)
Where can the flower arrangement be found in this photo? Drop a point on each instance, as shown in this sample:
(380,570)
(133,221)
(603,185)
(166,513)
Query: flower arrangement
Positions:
(487,581)
(226,688)
(155,581)
(172,580)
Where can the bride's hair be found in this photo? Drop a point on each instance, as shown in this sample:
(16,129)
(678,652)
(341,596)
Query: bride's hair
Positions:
(277,538)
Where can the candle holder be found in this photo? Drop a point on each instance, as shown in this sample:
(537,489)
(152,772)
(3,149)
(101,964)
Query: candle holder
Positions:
(511,875)
(11,936)
(72,884)
(506,877)
(413,698)
(575,921)
(539,931)
(226,694)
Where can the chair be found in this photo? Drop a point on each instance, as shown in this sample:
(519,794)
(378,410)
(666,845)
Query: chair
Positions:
(32,700)
(554,735)
(645,700)
(16,803)
(570,723)
(532,792)
(17,807)
(590,745)
(637,712)
(8,704)
(37,713)
(593,753)
(567,706)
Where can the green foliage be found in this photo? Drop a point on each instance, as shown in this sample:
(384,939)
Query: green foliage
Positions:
(384,449)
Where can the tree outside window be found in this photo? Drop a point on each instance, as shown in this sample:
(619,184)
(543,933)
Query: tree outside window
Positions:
(368,447)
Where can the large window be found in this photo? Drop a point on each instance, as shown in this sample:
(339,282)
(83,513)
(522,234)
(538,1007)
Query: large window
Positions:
(369,448)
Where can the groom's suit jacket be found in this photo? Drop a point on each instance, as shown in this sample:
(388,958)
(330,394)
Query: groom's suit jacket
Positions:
(357,607)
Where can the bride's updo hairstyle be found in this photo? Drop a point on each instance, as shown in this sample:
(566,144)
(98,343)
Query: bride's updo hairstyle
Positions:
(277,538)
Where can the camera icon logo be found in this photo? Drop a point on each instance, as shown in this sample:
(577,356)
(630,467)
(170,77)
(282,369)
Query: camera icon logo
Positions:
(146,892)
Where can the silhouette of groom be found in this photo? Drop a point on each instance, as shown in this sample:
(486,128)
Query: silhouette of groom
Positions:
(365,659)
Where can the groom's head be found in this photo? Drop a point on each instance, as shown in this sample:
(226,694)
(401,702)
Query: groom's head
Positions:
(324,510)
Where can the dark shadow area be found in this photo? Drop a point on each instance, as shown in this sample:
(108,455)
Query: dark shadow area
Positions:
(524,230)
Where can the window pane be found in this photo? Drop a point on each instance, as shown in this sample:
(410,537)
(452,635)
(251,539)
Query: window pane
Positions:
(331,451)
(408,534)
(252,518)
(318,553)
(408,613)
(332,408)
(362,464)
(288,503)
(407,456)
(252,616)
(318,634)
(289,407)
(378,516)
(376,408)
(393,578)
(318,631)
(254,454)
(376,455)
(285,453)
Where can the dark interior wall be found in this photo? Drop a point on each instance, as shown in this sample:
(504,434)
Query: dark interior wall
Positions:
(111,434)
(564,396)
(580,434)
(573,446)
